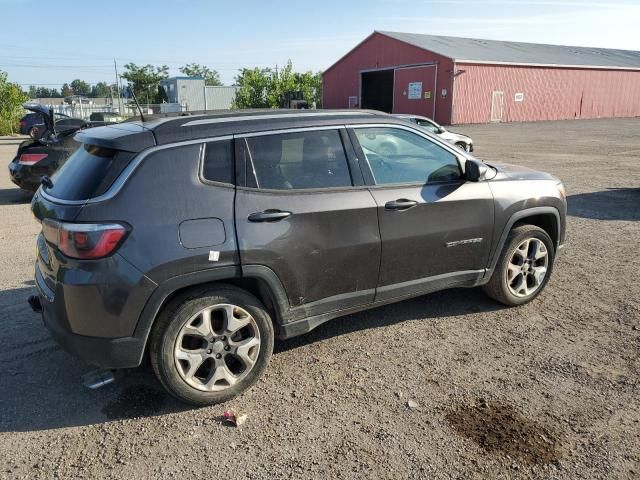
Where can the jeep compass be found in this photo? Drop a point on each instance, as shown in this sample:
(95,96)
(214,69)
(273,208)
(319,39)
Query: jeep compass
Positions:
(198,240)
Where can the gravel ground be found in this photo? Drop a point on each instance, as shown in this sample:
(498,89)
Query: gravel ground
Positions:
(450,385)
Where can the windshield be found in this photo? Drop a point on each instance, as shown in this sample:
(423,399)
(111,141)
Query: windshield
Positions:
(428,125)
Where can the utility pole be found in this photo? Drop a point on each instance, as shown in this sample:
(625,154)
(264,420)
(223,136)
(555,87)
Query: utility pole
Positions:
(115,67)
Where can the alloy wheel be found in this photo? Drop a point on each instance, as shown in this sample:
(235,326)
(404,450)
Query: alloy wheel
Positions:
(527,267)
(217,347)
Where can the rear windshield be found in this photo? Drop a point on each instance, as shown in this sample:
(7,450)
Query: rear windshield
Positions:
(88,173)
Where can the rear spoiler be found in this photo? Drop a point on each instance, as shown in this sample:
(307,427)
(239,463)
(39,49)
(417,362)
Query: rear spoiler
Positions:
(129,137)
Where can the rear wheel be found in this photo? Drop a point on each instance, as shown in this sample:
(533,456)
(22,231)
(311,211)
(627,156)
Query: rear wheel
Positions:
(34,132)
(524,267)
(212,345)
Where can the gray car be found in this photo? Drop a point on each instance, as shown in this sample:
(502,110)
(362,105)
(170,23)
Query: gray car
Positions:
(458,139)
(198,240)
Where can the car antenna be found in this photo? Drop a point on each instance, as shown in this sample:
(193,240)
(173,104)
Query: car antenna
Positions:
(137,104)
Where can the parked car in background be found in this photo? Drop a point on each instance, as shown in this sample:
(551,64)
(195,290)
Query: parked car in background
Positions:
(195,240)
(107,117)
(458,139)
(44,154)
(33,123)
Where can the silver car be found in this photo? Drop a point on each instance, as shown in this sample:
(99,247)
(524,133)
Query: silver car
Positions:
(459,140)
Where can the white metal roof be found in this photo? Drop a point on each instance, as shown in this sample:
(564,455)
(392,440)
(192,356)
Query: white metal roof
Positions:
(475,50)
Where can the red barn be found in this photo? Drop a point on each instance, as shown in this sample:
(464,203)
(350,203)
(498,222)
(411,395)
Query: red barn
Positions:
(466,80)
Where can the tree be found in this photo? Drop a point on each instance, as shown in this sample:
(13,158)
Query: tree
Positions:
(43,92)
(11,99)
(101,89)
(144,81)
(310,84)
(267,88)
(66,90)
(254,88)
(211,77)
(80,87)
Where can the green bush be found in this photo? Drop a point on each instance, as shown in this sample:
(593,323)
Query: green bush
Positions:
(11,99)
(264,87)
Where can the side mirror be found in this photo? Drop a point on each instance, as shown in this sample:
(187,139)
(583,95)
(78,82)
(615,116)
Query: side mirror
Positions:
(441,130)
(475,170)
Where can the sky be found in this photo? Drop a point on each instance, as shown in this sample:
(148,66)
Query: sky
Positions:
(52,44)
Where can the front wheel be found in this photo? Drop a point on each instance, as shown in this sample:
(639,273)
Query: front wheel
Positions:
(463,146)
(212,345)
(524,267)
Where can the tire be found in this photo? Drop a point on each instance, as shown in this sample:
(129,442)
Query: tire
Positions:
(34,132)
(462,146)
(500,287)
(177,338)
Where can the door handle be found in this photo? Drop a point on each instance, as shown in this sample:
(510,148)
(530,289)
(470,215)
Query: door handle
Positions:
(268,216)
(400,204)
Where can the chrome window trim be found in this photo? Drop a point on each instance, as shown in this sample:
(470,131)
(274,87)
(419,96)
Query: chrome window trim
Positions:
(281,131)
(117,185)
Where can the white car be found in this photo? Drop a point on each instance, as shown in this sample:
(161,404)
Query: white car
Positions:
(458,139)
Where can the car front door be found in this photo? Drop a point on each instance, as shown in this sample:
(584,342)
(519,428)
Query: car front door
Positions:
(435,226)
(301,215)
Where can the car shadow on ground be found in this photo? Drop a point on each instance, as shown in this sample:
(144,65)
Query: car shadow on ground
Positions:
(10,196)
(610,204)
(41,385)
(446,303)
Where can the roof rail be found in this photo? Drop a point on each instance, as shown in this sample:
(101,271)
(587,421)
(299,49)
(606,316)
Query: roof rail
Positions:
(266,116)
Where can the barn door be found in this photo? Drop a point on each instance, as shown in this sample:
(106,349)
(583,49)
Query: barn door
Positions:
(497,106)
(414,90)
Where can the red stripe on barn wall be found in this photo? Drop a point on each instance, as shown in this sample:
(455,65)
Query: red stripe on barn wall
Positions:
(547,93)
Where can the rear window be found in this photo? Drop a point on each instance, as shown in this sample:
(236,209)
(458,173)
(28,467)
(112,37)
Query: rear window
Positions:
(88,173)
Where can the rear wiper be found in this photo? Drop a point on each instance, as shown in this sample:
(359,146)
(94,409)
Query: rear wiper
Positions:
(46,182)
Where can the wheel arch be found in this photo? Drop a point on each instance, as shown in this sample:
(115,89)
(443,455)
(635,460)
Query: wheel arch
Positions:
(258,280)
(547,218)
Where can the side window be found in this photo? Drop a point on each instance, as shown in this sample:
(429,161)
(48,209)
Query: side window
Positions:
(311,159)
(399,156)
(218,161)
(428,126)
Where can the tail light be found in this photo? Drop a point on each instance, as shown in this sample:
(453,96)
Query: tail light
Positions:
(31,158)
(86,241)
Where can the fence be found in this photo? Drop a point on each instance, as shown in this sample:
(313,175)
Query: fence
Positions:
(84,111)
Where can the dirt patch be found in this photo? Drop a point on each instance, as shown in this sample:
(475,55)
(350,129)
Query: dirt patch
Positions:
(500,428)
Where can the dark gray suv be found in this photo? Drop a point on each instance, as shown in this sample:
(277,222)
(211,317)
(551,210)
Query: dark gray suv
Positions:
(199,239)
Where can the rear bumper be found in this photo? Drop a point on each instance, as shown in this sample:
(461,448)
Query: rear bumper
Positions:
(24,177)
(63,311)
(112,353)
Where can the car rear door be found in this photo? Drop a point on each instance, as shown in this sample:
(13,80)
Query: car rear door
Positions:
(304,214)
(435,226)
